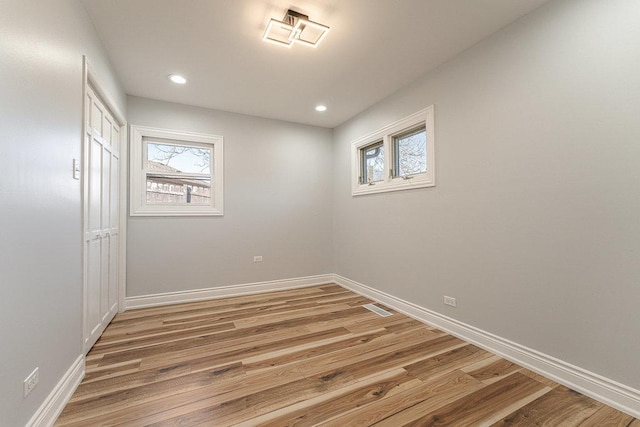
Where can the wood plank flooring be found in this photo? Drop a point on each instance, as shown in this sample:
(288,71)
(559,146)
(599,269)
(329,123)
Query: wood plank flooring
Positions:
(310,356)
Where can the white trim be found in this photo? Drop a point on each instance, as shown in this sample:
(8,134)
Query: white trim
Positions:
(137,183)
(386,136)
(605,390)
(225,291)
(83,197)
(53,405)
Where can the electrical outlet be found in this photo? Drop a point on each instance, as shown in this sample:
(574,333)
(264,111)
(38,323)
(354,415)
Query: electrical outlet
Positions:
(257,258)
(31,381)
(450,301)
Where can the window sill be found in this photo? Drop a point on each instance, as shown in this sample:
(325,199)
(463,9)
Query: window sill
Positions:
(395,185)
(190,211)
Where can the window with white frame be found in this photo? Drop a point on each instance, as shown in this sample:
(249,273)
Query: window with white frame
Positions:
(372,158)
(399,156)
(175,173)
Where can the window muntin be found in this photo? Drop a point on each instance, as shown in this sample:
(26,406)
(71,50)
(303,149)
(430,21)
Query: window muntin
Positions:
(410,152)
(372,158)
(399,156)
(175,173)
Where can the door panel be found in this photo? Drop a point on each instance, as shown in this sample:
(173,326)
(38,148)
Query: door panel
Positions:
(95,186)
(93,278)
(96,116)
(104,278)
(114,241)
(115,194)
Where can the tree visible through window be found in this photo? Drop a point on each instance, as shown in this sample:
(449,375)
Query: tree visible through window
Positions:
(373,163)
(410,152)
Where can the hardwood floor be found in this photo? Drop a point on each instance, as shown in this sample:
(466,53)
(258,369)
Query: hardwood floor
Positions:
(311,356)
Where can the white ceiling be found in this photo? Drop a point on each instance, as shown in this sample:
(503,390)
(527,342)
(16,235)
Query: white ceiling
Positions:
(374,48)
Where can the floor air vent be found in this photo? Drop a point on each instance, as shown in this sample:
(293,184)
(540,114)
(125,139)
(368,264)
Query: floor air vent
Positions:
(379,311)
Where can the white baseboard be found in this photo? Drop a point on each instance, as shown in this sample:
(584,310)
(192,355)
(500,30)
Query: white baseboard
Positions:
(593,385)
(225,291)
(53,405)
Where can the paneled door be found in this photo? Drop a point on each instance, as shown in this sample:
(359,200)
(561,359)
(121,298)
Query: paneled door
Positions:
(101,217)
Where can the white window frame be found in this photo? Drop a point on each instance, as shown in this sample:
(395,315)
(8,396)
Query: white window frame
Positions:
(386,134)
(139,206)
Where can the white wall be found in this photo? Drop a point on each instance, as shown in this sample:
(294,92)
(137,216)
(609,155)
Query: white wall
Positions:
(41,48)
(277,203)
(534,224)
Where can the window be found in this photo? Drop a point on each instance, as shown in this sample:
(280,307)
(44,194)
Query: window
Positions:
(372,162)
(399,156)
(175,173)
(410,153)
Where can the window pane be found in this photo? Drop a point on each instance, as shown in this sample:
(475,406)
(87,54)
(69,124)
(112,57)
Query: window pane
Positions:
(372,163)
(163,190)
(176,158)
(410,153)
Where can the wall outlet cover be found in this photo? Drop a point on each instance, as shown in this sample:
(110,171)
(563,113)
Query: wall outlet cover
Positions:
(31,381)
(450,301)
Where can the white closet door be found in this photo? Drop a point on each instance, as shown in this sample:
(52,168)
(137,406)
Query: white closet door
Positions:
(101,164)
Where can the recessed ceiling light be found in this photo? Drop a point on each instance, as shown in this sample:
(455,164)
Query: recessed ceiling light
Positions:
(177,78)
(321,108)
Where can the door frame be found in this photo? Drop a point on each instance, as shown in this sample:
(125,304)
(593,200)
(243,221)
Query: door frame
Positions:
(91,79)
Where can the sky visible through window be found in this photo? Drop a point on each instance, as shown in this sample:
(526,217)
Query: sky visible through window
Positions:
(184,159)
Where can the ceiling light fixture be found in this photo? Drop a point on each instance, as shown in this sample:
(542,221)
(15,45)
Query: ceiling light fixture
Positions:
(321,108)
(294,28)
(176,78)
